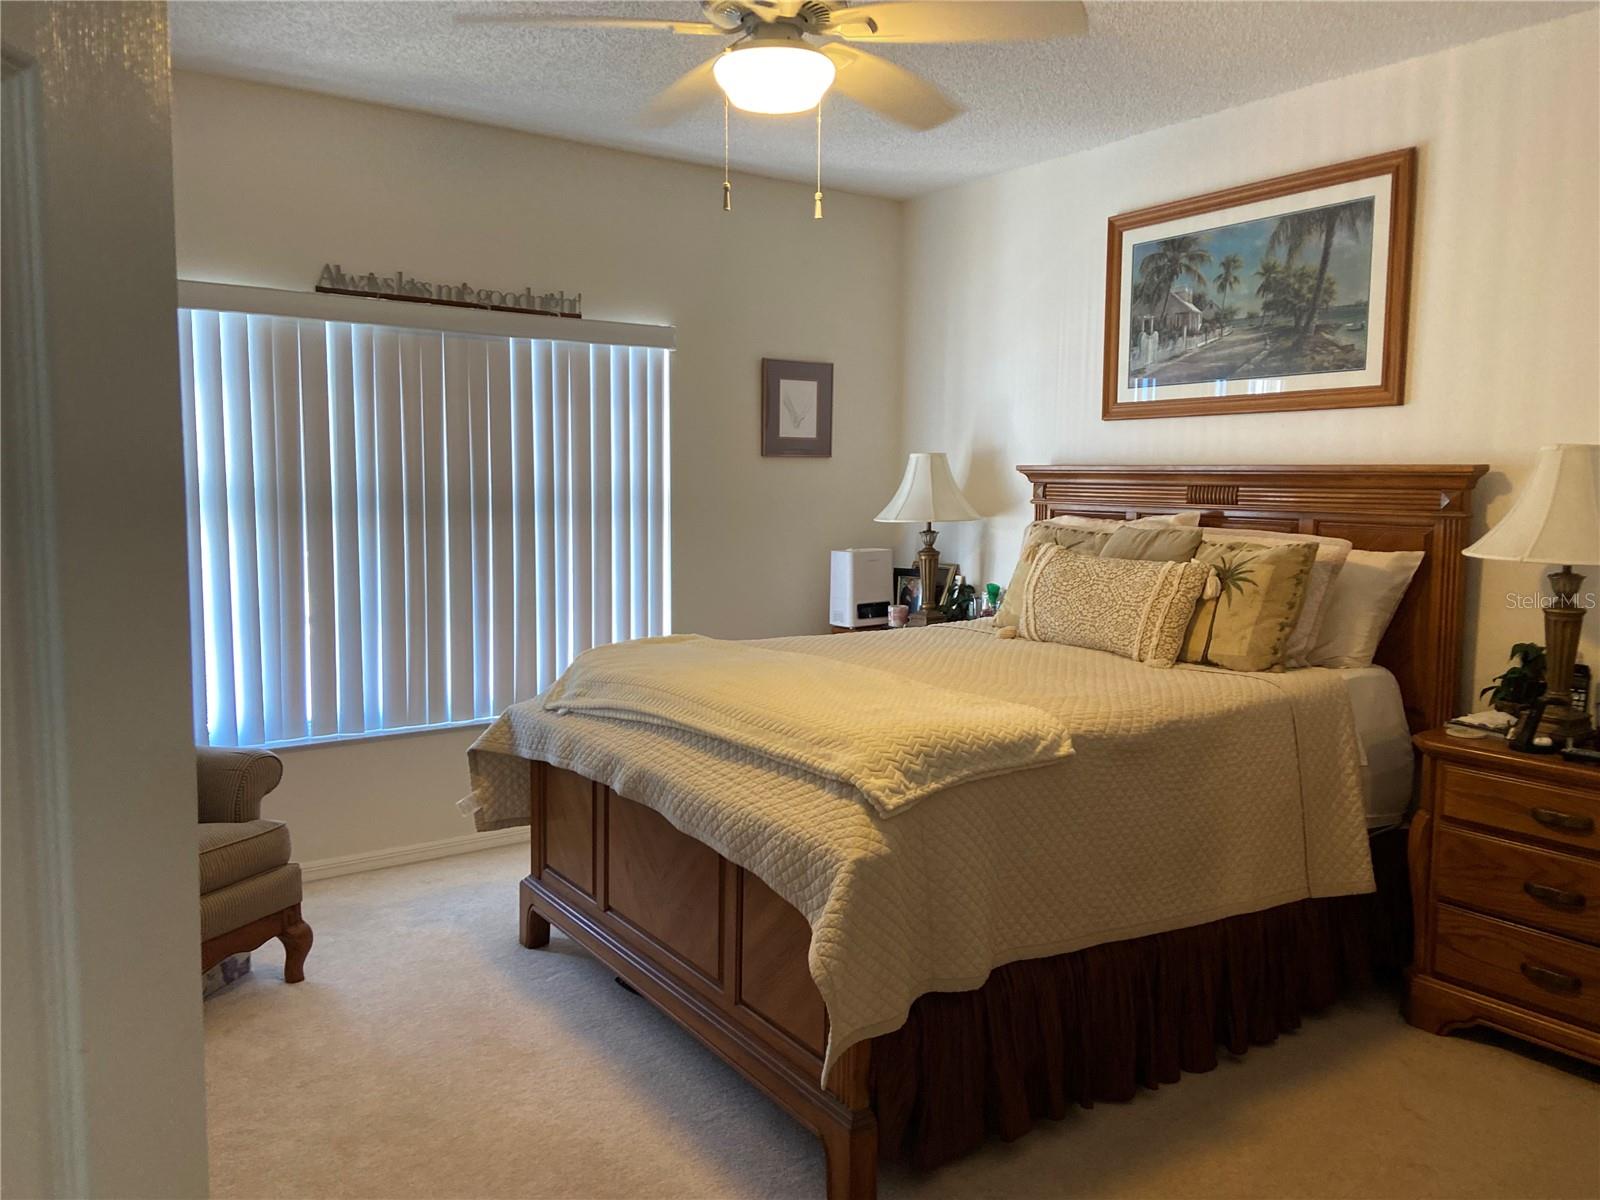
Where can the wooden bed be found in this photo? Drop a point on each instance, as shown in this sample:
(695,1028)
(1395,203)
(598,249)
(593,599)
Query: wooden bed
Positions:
(722,954)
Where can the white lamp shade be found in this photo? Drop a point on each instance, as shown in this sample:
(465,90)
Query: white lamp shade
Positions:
(1556,519)
(928,492)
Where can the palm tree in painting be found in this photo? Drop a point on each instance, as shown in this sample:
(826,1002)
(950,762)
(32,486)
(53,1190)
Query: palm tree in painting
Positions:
(1173,259)
(1292,232)
(1271,274)
(1296,230)
(1227,277)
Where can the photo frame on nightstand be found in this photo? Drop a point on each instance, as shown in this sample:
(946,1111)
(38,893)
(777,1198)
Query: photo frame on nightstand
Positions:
(908,585)
(796,409)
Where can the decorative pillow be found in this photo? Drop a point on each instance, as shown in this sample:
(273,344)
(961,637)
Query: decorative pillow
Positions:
(1263,589)
(1361,604)
(1331,554)
(1151,544)
(1138,610)
(1112,524)
(1042,533)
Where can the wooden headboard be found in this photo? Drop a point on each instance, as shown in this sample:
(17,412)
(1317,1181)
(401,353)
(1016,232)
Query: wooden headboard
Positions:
(1426,508)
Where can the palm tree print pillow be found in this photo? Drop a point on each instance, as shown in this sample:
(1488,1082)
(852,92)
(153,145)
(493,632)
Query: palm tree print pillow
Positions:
(1263,589)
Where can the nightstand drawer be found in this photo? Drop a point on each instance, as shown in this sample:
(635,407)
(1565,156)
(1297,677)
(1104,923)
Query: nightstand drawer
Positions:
(1543,888)
(1551,814)
(1536,969)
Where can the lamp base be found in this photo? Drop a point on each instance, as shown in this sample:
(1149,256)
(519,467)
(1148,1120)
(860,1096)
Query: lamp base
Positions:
(1561,722)
(928,613)
(1563,625)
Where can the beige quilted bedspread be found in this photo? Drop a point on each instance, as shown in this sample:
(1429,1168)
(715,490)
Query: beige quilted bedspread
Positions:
(1192,794)
(833,719)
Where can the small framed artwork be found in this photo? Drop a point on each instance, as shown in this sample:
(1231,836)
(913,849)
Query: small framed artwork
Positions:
(796,409)
(1287,294)
(908,588)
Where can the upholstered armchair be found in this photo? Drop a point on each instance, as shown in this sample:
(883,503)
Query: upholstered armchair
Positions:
(249,890)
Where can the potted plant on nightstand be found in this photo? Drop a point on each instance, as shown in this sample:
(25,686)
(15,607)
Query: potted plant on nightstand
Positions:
(1522,683)
(958,605)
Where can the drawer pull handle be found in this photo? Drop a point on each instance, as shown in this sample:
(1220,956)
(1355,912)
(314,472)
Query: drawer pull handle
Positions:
(1552,981)
(1555,897)
(1552,818)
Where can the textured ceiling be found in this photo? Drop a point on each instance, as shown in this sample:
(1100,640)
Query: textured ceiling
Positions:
(1141,66)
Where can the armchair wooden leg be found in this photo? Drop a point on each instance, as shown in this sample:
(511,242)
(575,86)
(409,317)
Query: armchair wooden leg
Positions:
(296,939)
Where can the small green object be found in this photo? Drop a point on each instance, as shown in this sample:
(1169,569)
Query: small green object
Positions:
(992,590)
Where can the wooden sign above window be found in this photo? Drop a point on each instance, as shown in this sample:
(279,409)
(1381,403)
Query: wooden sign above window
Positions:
(401,286)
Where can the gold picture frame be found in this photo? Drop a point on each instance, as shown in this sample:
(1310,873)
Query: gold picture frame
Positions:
(1287,294)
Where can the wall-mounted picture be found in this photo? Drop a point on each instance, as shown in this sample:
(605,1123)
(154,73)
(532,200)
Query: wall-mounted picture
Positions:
(796,409)
(1291,293)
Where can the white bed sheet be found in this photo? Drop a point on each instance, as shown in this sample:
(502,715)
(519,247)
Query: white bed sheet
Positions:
(1387,761)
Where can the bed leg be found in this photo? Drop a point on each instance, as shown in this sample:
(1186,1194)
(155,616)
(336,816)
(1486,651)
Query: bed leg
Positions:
(533,931)
(852,1156)
(850,1142)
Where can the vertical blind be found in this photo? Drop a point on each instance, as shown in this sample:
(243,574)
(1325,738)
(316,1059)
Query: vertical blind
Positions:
(392,528)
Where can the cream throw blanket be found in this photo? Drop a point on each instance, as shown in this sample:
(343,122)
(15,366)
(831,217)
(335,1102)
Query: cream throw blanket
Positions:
(1192,794)
(892,741)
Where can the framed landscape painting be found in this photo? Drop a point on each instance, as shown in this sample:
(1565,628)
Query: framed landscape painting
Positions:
(1287,294)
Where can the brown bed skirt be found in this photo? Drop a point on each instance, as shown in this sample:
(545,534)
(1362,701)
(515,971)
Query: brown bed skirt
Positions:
(1045,1034)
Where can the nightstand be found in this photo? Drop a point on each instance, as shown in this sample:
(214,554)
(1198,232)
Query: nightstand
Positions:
(1505,885)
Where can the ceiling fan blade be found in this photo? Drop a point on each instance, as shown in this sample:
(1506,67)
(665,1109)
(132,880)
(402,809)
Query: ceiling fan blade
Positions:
(960,21)
(684,96)
(889,90)
(557,21)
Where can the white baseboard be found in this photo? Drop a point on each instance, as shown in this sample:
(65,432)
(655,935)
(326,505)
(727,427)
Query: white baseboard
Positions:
(394,856)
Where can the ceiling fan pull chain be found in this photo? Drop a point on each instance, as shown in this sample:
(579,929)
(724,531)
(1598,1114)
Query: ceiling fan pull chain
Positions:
(727,187)
(816,214)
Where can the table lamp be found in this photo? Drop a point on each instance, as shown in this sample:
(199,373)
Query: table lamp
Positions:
(1556,519)
(927,493)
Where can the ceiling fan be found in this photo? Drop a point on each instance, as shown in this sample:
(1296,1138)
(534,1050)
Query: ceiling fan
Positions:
(782,56)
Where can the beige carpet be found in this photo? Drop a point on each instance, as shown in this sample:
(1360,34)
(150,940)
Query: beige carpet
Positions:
(427,1054)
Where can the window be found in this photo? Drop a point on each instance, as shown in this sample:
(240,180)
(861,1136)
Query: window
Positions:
(392,528)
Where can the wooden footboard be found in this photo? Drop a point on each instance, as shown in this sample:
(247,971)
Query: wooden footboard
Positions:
(706,942)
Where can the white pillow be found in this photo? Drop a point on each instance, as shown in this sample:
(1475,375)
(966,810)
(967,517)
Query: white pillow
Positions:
(1361,603)
(1331,555)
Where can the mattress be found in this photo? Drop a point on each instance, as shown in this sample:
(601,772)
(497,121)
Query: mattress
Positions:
(1387,760)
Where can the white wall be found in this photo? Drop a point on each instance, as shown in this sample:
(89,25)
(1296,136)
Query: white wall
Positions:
(103,1090)
(271,183)
(1005,284)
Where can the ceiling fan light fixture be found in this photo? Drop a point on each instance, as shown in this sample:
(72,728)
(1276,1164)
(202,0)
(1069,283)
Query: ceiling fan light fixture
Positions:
(774,79)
